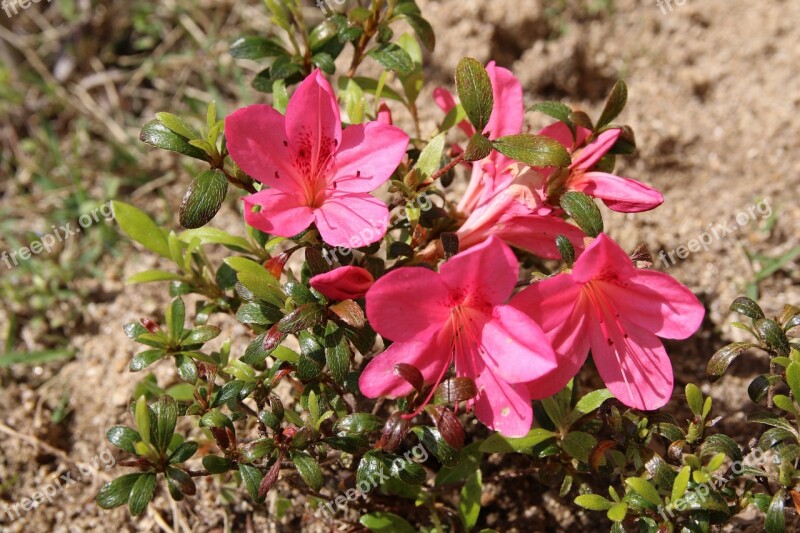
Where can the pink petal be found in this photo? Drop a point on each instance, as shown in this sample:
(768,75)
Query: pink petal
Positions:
(537,234)
(384,114)
(502,406)
(509,107)
(313,125)
(407,304)
(561,132)
(380,379)
(619,194)
(484,274)
(604,260)
(594,152)
(634,365)
(557,305)
(658,303)
(514,347)
(344,283)
(256,137)
(282,214)
(368,156)
(444,99)
(351,219)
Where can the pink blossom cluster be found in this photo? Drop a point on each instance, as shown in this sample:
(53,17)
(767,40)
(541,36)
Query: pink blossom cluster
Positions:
(515,345)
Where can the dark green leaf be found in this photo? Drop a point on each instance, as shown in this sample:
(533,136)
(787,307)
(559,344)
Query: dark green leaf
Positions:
(721,360)
(497,443)
(469,462)
(166,411)
(141,493)
(203,198)
(123,437)
(146,358)
(614,105)
(557,110)
(216,464)
(773,335)
(183,452)
(303,317)
(477,148)
(469,506)
(578,445)
(308,468)
(475,91)
(118,491)
(252,480)
(565,250)
(157,134)
(359,423)
(533,150)
(584,211)
(775,521)
(383,522)
(423,30)
(256,48)
(392,57)
(747,307)
(180,483)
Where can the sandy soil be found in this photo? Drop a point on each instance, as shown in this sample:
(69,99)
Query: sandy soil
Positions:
(713,99)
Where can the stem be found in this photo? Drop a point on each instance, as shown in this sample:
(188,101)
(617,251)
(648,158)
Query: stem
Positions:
(447,168)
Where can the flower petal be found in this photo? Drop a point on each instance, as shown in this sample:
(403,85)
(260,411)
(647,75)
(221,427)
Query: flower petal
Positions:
(561,133)
(595,151)
(502,406)
(634,365)
(380,379)
(537,234)
(282,214)
(256,140)
(619,194)
(514,347)
(313,125)
(344,283)
(557,305)
(509,107)
(485,274)
(444,99)
(603,260)
(351,219)
(408,303)
(368,156)
(658,303)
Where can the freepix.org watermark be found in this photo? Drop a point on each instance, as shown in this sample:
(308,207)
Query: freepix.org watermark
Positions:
(666,6)
(86,470)
(417,454)
(716,232)
(48,241)
(13,7)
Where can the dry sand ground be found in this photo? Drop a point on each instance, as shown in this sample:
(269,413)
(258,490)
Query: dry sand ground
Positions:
(714,100)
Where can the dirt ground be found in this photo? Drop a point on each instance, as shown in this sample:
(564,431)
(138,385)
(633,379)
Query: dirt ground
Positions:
(714,101)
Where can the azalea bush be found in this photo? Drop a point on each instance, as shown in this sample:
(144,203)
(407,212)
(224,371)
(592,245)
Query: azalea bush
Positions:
(419,300)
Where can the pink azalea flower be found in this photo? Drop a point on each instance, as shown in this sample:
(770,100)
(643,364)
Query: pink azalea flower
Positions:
(314,171)
(344,283)
(619,194)
(618,311)
(458,315)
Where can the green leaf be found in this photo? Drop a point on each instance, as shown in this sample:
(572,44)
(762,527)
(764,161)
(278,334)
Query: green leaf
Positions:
(142,418)
(775,521)
(478,148)
(369,469)
(124,438)
(372,86)
(392,57)
(771,419)
(382,522)
(694,398)
(34,358)
(141,493)
(252,480)
(533,150)
(773,335)
(714,444)
(617,512)
(614,105)
(645,489)
(497,443)
(203,198)
(593,502)
(201,335)
(469,506)
(183,452)
(354,102)
(228,392)
(157,134)
(588,404)
(793,378)
(175,318)
(747,307)
(308,468)
(584,211)
(304,317)
(166,411)
(337,352)
(177,125)
(423,30)
(431,157)
(475,91)
(469,462)
(118,491)
(556,110)
(723,358)
(359,423)
(578,445)
(141,228)
(216,464)
(280,96)
(256,48)
(150,276)
(680,484)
